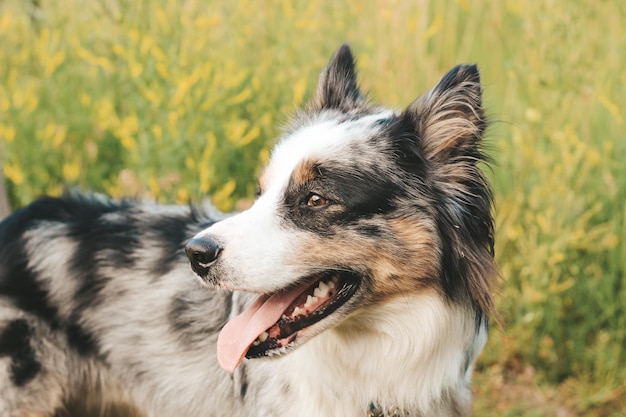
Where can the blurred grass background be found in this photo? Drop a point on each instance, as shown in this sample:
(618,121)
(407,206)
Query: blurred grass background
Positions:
(177,100)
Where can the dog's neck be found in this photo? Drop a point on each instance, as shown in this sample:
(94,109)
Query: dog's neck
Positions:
(411,355)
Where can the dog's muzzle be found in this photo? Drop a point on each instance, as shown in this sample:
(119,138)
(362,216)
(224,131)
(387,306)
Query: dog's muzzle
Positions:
(202,252)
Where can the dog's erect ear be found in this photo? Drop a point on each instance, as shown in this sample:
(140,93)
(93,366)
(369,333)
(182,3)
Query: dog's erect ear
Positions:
(449,123)
(449,119)
(337,87)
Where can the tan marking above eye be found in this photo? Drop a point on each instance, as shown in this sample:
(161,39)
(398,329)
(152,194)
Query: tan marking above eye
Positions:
(304,172)
(316,200)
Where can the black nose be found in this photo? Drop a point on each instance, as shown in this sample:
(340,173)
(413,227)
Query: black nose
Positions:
(202,252)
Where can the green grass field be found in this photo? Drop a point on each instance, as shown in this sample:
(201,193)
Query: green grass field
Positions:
(178,100)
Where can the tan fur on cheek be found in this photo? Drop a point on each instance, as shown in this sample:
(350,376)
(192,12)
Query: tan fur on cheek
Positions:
(414,265)
(409,263)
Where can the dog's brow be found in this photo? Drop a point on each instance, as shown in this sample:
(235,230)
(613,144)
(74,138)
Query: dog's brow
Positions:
(304,172)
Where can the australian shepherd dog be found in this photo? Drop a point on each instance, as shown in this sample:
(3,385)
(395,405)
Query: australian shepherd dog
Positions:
(358,283)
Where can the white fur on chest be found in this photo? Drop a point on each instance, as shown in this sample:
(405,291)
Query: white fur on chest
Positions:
(408,353)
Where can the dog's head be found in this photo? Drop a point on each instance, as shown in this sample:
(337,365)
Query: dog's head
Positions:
(359,204)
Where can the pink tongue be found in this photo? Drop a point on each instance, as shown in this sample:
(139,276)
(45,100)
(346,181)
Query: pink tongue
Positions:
(239,333)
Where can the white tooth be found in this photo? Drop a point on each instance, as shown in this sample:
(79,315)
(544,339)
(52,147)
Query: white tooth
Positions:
(263,336)
(310,301)
(284,317)
(256,343)
(321,291)
(296,312)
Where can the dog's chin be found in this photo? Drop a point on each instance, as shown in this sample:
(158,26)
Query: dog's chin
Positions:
(322,300)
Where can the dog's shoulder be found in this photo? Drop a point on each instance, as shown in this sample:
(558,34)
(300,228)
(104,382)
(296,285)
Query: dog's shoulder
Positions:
(72,207)
(75,209)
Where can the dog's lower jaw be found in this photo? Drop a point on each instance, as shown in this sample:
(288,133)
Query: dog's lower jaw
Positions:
(412,354)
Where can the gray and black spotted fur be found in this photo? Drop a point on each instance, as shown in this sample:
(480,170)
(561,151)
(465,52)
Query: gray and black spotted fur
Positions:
(97,299)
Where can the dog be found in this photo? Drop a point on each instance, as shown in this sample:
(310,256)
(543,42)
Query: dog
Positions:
(359,283)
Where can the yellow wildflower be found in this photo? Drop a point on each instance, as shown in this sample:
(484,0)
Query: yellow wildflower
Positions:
(71,171)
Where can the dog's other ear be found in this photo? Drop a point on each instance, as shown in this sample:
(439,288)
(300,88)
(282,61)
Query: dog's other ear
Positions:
(448,123)
(449,120)
(337,87)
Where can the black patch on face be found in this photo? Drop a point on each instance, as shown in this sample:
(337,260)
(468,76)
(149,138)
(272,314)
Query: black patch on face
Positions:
(365,193)
(353,194)
(364,188)
(15,343)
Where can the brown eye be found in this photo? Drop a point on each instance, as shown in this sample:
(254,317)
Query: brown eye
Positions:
(316,200)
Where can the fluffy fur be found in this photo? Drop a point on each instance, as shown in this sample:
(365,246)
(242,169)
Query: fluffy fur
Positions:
(98,301)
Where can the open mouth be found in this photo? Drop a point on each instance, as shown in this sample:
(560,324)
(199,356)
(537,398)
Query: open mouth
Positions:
(318,301)
(272,323)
